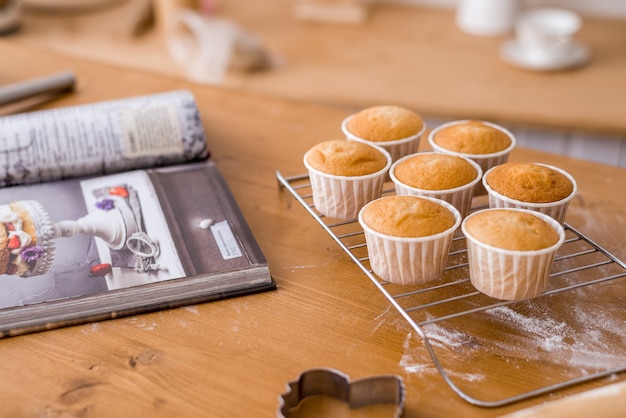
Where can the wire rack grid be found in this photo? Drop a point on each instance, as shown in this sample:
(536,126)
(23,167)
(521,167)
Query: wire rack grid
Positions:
(455,304)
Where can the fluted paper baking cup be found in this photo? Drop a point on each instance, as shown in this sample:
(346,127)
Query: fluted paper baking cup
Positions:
(342,197)
(397,148)
(508,274)
(557,210)
(485,161)
(459,197)
(409,261)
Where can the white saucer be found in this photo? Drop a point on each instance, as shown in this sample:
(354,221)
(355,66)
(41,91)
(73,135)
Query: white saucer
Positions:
(512,53)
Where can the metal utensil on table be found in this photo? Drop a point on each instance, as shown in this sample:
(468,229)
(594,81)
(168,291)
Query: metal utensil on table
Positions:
(52,84)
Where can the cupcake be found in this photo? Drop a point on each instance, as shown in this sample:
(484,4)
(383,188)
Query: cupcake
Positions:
(26,239)
(510,251)
(394,128)
(442,176)
(408,237)
(533,186)
(345,175)
(486,143)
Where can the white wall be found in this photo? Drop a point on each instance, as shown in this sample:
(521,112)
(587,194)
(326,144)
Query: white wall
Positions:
(613,9)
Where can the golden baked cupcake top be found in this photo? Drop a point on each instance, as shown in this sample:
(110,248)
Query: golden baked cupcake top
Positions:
(407,216)
(529,182)
(9,213)
(472,137)
(511,230)
(341,157)
(435,171)
(385,123)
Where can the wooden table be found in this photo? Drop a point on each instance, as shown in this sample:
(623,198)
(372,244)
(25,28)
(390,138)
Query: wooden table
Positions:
(232,358)
(411,56)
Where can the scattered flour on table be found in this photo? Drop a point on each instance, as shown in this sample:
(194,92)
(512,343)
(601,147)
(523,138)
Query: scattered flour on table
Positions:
(590,349)
(93,327)
(310,266)
(413,361)
(445,337)
(381,319)
(141,323)
(193,309)
(548,333)
(589,343)
(416,360)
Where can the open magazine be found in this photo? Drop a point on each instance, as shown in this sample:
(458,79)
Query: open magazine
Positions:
(76,248)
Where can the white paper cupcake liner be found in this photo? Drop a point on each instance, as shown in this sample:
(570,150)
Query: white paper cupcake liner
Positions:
(397,148)
(459,197)
(507,274)
(485,161)
(410,261)
(556,210)
(342,197)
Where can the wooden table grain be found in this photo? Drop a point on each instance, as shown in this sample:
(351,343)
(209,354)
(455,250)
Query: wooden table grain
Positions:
(233,358)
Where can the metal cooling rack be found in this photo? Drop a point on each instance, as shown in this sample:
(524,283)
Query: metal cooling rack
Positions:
(453,300)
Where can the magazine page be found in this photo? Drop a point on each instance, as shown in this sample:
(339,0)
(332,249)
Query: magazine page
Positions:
(101,138)
(86,236)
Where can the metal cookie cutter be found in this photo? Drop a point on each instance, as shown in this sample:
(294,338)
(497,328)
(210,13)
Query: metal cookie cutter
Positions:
(335,384)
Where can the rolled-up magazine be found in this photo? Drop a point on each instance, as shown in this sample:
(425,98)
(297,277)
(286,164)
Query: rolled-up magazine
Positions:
(101,138)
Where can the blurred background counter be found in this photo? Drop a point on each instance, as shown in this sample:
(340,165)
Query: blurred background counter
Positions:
(367,54)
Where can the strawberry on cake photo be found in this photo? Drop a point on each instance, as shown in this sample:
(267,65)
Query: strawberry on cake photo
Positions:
(26,239)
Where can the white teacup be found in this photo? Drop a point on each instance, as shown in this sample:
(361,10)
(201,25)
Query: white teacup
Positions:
(546,34)
(486,17)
